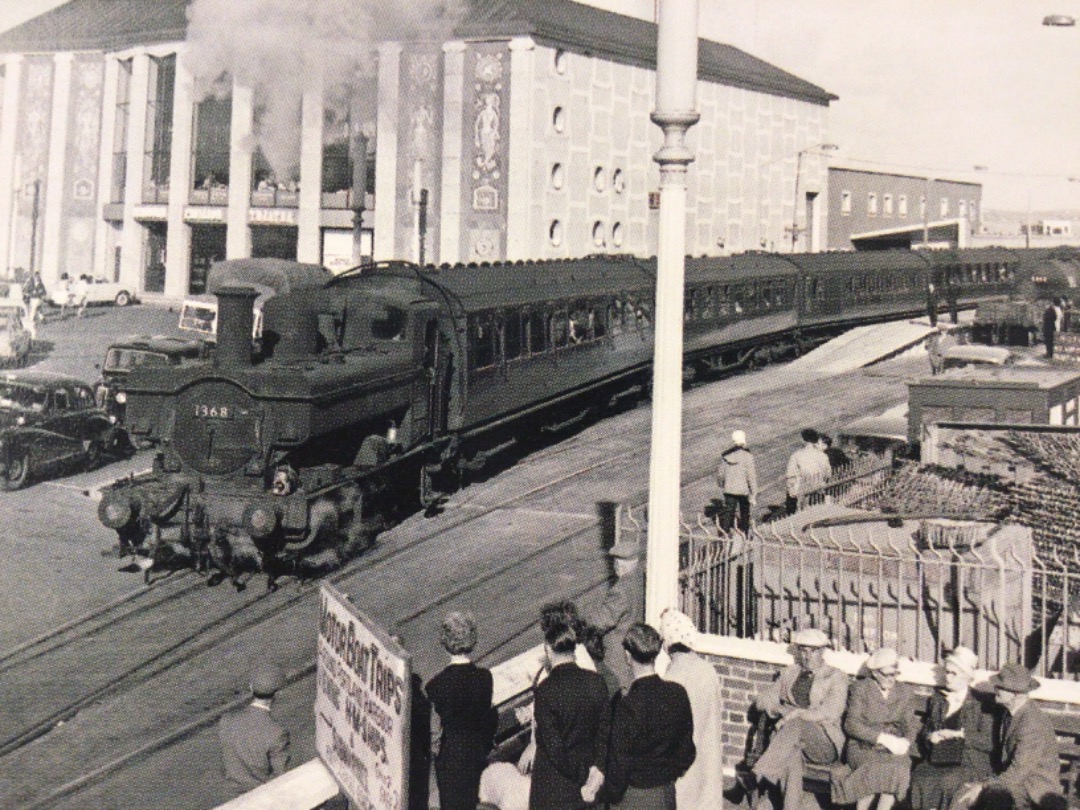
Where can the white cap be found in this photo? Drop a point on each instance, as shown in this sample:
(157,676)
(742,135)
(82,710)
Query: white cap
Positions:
(885,658)
(810,637)
(739,437)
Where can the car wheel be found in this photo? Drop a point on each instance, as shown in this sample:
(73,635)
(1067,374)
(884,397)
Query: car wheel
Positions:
(123,298)
(18,472)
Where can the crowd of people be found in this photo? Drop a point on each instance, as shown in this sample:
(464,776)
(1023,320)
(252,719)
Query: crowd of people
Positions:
(984,745)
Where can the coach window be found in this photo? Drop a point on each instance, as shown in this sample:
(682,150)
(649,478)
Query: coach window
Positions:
(845,202)
(597,322)
(706,307)
(723,301)
(560,332)
(901,205)
(512,335)
(537,332)
(481,341)
(871,204)
(388,324)
(688,306)
(886,202)
(615,317)
(943,210)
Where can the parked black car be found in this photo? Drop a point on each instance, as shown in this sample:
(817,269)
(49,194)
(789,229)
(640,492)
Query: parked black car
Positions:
(142,350)
(48,421)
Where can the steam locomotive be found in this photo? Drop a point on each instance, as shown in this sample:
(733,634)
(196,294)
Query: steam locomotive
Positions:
(393,380)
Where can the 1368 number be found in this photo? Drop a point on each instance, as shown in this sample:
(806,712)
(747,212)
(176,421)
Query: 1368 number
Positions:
(213,412)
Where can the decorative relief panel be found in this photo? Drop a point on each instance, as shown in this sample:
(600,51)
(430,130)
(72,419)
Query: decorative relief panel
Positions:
(31,159)
(419,154)
(486,129)
(81,165)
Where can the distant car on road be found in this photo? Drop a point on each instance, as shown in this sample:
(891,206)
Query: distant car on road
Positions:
(142,350)
(49,421)
(99,291)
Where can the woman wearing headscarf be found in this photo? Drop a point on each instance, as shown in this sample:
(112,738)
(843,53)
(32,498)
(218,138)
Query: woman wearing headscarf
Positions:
(957,736)
(880,726)
(702,786)
(461,696)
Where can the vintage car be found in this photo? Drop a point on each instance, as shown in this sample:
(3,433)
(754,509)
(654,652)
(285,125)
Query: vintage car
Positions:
(125,355)
(98,291)
(49,421)
(15,340)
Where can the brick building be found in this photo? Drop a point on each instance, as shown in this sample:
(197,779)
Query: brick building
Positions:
(875,210)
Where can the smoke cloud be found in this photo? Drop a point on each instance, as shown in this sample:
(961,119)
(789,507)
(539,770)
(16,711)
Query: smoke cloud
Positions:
(279,47)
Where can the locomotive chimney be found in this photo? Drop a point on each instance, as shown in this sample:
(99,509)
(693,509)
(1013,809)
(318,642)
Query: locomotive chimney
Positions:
(236,318)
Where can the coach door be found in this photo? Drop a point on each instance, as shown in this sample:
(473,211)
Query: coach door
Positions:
(433,402)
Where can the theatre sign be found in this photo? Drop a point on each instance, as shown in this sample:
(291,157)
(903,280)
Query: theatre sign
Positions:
(362,705)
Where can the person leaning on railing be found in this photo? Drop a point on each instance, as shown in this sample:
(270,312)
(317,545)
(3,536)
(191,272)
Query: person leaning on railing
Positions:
(807,701)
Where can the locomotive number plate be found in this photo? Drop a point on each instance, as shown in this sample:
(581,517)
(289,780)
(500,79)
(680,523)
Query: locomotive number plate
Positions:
(213,412)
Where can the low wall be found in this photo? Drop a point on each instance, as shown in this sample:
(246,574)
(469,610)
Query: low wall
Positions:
(745,667)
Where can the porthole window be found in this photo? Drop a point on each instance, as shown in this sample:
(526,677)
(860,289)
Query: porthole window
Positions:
(561,59)
(598,234)
(555,235)
(558,120)
(618,181)
(617,234)
(599,179)
(558,176)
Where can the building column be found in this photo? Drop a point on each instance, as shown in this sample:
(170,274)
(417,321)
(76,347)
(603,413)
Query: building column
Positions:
(519,224)
(386,153)
(9,127)
(55,185)
(450,193)
(309,235)
(101,263)
(238,235)
(131,250)
(178,257)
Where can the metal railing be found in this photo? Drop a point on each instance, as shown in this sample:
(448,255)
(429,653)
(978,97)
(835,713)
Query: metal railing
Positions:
(920,583)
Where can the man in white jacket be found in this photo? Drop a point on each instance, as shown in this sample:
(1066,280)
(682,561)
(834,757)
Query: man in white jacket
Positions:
(737,477)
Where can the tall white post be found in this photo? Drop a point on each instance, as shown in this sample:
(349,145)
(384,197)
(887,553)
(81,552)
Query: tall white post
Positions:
(676,93)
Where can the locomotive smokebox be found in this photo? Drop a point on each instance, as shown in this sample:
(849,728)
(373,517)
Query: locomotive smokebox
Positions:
(236,318)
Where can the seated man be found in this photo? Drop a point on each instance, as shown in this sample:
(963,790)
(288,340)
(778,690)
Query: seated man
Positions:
(1027,751)
(808,699)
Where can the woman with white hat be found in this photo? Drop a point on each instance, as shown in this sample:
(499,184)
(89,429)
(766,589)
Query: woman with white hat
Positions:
(880,726)
(957,736)
(702,786)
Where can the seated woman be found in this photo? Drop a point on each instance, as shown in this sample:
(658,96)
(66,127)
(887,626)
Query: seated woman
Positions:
(880,726)
(956,738)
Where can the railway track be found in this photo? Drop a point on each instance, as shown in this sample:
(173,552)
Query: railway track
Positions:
(533,570)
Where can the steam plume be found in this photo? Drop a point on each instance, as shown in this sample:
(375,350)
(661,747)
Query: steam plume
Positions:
(279,47)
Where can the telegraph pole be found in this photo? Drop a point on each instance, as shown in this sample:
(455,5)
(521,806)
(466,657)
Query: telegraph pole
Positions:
(676,94)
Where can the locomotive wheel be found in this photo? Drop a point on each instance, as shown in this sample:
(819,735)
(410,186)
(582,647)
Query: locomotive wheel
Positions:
(18,472)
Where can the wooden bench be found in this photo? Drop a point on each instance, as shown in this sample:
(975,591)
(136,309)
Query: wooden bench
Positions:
(818,779)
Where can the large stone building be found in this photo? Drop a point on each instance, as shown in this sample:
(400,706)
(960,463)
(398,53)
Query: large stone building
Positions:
(525,134)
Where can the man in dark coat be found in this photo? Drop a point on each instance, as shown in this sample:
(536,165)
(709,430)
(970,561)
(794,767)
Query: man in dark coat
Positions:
(652,733)
(254,747)
(1049,329)
(623,605)
(571,722)
(1029,768)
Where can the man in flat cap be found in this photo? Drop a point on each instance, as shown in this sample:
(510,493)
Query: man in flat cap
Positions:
(623,606)
(808,700)
(255,748)
(1028,757)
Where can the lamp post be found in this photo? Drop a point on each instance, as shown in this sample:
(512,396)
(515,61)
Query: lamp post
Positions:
(926,212)
(825,147)
(676,94)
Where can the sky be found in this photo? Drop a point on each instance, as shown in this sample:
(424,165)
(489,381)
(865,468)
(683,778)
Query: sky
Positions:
(925,86)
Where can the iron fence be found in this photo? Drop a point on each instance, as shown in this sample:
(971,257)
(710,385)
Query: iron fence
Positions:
(921,584)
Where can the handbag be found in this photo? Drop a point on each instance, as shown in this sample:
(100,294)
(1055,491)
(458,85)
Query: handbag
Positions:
(947,752)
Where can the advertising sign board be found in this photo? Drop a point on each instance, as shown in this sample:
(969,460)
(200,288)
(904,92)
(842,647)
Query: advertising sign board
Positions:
(362,705)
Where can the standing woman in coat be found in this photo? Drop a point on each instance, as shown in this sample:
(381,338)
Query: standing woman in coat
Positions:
(461,696)
(880,726)
(702,786)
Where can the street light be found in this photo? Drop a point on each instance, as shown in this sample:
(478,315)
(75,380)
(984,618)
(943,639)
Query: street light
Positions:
(824,147)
